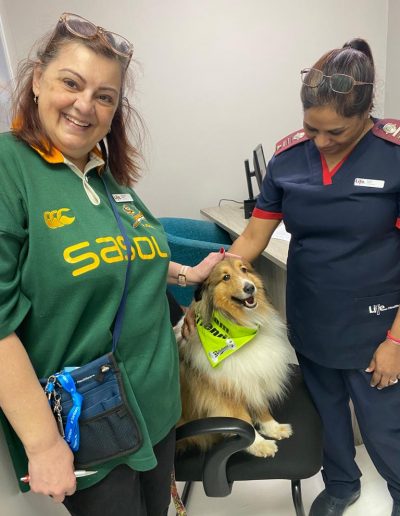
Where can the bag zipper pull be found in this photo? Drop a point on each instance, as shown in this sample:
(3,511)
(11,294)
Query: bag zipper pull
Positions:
(102,372)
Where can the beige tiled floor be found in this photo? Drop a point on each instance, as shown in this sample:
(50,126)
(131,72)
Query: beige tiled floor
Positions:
(263,498)
(273,497)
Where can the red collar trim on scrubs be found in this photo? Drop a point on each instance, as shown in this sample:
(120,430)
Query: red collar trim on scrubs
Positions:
(328,174)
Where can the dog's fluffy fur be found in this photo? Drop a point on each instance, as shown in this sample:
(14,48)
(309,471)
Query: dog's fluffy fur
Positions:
(245,383)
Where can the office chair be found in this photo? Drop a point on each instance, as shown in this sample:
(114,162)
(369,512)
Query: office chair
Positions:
(298,457)
(190,241)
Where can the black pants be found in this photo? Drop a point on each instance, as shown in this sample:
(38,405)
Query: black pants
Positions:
(378,415)
(125,492)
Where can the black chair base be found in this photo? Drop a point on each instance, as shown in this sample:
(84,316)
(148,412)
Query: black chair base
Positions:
(186,493)
(297,498)
(296,495)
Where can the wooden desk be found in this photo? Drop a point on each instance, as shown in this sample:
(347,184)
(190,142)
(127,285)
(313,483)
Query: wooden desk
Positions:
(231,218)
(272,262)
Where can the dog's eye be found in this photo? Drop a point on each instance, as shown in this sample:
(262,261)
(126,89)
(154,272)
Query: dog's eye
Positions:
(243,269)
(226,277)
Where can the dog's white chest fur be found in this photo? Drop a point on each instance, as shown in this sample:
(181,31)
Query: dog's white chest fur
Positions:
(258,368)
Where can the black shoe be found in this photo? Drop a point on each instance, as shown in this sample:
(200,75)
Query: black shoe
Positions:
(396,509)
(327,505)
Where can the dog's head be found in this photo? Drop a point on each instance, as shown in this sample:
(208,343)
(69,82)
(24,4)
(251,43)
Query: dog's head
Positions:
(234,289)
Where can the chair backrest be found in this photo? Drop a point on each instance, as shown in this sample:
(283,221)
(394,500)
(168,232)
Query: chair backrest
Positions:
(190,241)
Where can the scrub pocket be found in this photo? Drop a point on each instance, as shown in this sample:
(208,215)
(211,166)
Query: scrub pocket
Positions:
(373,316)
(377,310)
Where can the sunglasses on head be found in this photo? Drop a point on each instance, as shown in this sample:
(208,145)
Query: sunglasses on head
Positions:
(87,30)
(338,82)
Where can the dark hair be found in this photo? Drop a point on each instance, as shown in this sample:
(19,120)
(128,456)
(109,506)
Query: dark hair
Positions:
(354,59)
(123,156)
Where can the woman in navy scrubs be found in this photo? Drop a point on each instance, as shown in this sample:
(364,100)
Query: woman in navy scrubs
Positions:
(336,185)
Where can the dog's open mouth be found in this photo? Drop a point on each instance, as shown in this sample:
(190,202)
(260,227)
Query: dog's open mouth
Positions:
(249,302)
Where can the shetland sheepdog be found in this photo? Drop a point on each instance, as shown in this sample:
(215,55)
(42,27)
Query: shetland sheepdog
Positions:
(245,383)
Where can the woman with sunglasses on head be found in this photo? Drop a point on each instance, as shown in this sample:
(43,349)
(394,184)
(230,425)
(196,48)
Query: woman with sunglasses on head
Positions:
(336,185)
(63,270)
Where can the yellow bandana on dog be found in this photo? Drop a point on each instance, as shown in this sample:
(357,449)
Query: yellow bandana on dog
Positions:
(222,337)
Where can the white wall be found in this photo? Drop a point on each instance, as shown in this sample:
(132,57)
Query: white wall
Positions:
(12,501)
(392,90)
(5,76)
(216,78)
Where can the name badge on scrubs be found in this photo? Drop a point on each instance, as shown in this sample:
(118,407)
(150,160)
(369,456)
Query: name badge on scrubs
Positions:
(122,197)
(369,183)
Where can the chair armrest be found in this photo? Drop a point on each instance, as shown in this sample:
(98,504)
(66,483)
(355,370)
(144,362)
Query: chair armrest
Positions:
(215,481)
(214,425)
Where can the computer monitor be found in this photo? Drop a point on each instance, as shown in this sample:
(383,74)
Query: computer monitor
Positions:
(260,166)
(260,169)
(249,175)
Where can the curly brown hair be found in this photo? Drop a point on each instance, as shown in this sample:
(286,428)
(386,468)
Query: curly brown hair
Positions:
(124,158)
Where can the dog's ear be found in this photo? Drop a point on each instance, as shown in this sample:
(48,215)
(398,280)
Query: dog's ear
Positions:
(205,305)
(198,292)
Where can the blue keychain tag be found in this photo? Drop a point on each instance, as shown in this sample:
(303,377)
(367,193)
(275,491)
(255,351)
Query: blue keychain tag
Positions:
(69,369)
(72,425)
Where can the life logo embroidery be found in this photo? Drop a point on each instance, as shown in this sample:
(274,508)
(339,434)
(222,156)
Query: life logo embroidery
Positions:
(138,217)
(378,309)
(57,219)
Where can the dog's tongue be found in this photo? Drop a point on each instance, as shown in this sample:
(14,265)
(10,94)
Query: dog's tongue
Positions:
(250,301)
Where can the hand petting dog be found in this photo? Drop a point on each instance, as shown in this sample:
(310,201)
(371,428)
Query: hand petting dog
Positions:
(201,271)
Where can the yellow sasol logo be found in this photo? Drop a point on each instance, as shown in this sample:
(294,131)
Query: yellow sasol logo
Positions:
(56,218)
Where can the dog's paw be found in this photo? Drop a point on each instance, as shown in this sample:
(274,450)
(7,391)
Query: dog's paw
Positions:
(276,430)
(263,447)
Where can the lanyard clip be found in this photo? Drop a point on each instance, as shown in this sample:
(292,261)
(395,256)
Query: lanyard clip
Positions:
(50,387)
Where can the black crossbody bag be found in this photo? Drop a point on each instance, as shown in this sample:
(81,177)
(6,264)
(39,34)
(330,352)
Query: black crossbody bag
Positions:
(89,402)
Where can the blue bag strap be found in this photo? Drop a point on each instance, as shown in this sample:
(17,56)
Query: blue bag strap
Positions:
(121,308)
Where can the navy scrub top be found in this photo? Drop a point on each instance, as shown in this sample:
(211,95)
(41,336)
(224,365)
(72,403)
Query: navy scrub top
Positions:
(343,269)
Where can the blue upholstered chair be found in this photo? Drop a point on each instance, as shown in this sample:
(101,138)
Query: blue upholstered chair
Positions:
(190,241)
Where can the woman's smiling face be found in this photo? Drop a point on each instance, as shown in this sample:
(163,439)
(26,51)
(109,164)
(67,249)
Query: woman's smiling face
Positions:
(333,134)
(78,94)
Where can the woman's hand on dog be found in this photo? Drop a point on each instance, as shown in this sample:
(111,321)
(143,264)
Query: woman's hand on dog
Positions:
(202,270)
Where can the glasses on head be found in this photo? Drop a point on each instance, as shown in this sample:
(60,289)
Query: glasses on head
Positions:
(338,82)
(87,30)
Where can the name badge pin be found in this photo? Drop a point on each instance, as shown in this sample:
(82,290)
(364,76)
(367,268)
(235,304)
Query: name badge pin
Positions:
(122,197)
(369,183)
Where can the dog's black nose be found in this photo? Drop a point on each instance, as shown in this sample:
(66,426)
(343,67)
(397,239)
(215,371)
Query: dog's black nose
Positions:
(249,288)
